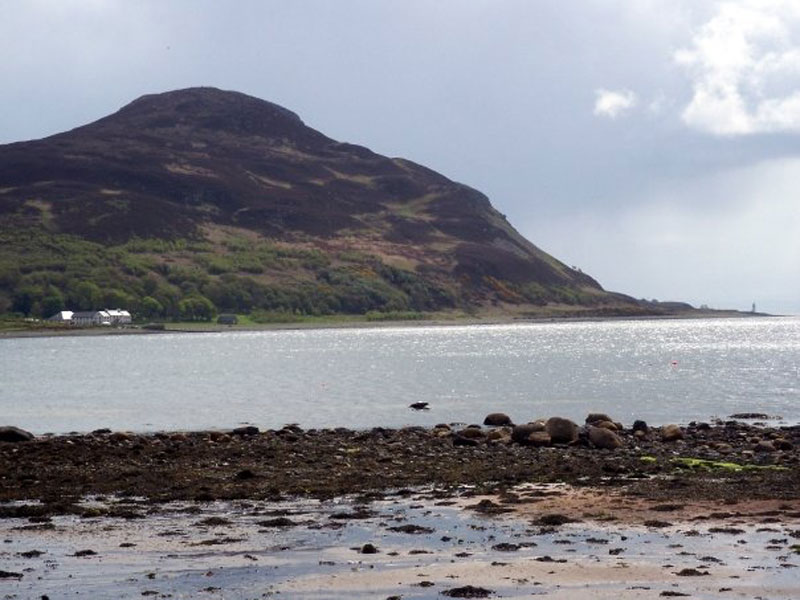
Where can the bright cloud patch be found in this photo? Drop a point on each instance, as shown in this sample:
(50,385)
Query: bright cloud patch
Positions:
(745,69)
(612,104)
(740,247)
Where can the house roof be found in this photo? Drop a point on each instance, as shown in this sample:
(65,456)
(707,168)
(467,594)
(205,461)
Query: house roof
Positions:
(64,315)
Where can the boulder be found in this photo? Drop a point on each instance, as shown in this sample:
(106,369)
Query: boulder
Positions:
(593,418)
(607,425)
(765,446)
(498,434)
(640,426)
(471,432)
(246,430)
(9,433)
(783,444)
(497,420)
(539,439)
(723,448)
(502,439)
(368,549)
(671,433)
(520,433)
(561,430)
(603,438)
(460,440)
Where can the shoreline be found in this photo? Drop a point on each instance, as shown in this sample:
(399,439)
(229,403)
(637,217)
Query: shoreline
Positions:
(718,462)
(410,513)
(344,323)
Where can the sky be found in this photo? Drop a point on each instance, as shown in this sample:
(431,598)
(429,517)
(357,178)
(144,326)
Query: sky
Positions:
(654,144)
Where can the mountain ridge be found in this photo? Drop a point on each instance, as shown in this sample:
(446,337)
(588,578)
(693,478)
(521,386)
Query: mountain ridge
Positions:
(209,189)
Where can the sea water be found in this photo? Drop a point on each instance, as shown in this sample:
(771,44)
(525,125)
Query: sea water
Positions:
(656,370)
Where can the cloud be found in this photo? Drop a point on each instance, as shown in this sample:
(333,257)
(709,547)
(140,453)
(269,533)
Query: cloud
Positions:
(674,244)
(744,65)
(611,104)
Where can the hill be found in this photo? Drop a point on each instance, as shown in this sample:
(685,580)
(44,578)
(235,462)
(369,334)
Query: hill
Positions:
(194,201)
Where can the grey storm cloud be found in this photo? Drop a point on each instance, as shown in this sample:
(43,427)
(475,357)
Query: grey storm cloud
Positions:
(652,143)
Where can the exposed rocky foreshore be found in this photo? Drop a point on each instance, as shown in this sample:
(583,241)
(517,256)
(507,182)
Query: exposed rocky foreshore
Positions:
(720,461)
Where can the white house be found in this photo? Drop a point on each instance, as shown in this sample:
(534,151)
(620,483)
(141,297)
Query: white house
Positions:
(64,316)
(117,316)
(91,317)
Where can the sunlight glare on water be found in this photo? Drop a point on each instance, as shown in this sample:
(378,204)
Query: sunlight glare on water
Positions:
(660,371)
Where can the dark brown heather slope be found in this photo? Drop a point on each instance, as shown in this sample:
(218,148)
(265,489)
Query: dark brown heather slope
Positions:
(226,174)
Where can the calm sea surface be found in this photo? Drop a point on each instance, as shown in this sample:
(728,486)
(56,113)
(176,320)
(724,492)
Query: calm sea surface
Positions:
(659,371)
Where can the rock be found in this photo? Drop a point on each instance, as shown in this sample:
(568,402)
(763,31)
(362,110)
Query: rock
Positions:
(671,433)
(368,549)
(459,440)
(467,591)
(639,434)
(9,433)
(726,530)
(411,529)
(419,406)
(246,430)
(10,575)
(506,547)
(487,507)
(765,446)
(657,524)
(520,433)
(782,444)
(500,436)
(750,416)
(561,430)
(553,520)
(277,522)
(497,420)
(640,426)
(539,439)
(724,448)
(473,433)
(607,425)
(593,418)
(120,436)
(603,438)
(691,573)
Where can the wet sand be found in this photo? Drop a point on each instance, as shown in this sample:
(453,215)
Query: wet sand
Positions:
(252,514)
(425,544)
